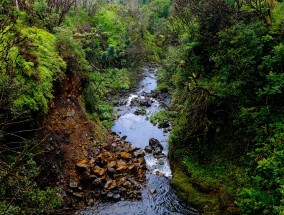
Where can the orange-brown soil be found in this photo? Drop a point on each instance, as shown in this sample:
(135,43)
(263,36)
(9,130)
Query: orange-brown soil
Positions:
(80,153)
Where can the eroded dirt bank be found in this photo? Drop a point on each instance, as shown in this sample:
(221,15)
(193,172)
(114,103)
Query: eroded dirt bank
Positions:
(86,160)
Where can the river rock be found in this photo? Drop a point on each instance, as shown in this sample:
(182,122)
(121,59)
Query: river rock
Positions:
(156,147)
(160,156)
(82,166)
(134,102)
(112,164)
(111,171)
(157,151)
(99,171)
(116,197)
(146,102)
(165,124)
(161,162)
(121,181)
(104,192)
(155,143)
(110,184)
(133,168)
(96,195)
(139,112)
(110,195)
(121,168)
(159,174)
(127,184)
(139,153)
(121,162)
(141,161)
(152,190)
(97,182)
(98,162)
(85,177)
(107,168)
(91,202)
(148,149)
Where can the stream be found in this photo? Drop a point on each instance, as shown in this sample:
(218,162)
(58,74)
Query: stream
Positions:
(158,197)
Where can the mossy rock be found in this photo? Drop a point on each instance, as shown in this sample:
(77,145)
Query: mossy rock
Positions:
(207,199)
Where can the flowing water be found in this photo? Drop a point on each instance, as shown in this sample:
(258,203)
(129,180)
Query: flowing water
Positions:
(158,197)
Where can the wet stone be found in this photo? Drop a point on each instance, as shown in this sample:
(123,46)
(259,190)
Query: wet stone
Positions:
(139,153)
(152,190)
(160,156)
(157,151)
(161,162)
(90,202)
(165,124)
(97,182)
(148,149)
(159,174)
(104,192)
(116,197)
(110,195)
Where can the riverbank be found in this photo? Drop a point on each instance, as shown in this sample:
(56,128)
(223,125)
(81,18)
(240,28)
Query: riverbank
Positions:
(211,188)
(89,162)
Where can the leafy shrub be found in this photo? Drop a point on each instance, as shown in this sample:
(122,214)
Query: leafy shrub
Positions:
(102,85)
(37,64)
(71,50)
(18,189)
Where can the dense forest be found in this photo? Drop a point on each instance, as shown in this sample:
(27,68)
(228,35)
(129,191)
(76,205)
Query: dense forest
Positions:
(221,61)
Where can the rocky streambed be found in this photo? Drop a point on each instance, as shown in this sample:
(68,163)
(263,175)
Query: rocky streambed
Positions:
(112,171)
(131,174)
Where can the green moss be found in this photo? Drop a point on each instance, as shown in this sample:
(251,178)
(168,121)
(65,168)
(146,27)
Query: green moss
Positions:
(211,188)
(191,194)
(160,117)
(202,192)
(163,87)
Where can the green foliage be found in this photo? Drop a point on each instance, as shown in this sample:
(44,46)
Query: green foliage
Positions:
(36,64)
(100,86)
(162,116)
(19,192)
(40,64)
(266,196)
(71,51)
(30,65)
(102,46)
(109,22)
(277,24)
(227,77)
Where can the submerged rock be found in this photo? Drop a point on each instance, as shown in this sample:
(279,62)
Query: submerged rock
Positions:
(152,190)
